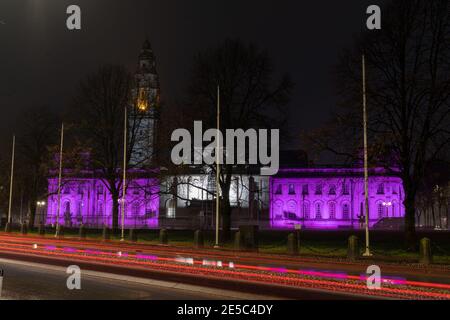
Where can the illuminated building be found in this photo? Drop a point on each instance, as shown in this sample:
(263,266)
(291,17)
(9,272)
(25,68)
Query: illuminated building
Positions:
(322,198)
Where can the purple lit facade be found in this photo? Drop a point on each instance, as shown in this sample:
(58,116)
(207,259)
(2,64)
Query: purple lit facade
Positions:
(329,198)
(88,202)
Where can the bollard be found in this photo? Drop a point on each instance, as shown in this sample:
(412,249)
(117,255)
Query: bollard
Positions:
(82,232)
(41,229)
(23,228)
(425,254)
(133,235)
(163,237)
(237,241)
(292,244)
(8,227)
(249,237)
(106,234)
(198,239)
(353,248)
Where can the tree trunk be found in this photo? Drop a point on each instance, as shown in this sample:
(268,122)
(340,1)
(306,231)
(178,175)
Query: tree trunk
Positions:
(226,215)
(410,223)
(32,208)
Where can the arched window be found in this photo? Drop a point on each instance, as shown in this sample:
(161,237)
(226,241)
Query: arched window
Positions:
(380,210)
(67,207)
(278,210)
(332,210)
(306,211)
(318,211)
(345,211)
(171,208)
(100,208)
(394,209)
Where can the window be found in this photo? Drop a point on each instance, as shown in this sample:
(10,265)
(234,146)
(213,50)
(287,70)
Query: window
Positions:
(67,207)
(345,211)
(80,189)
(278,189)
(100,189)
(345,189)
(291,189)
(332,189)
(332,208)
(305,190)
(171,208)
(306,211)
(318,211)
(380,188)
(100,208)
(318,189)
(381,210)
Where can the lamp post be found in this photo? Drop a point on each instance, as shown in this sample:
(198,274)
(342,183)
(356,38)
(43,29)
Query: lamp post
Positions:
(11,182)
(40,205)
(122,207)
(59,180)
(217,169)
(366,174)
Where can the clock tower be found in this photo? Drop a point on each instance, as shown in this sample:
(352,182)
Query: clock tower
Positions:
(143,118)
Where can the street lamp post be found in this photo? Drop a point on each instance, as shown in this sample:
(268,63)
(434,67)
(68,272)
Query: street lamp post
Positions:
(40,205)
(8,225)
(217,169)
(59,180)
(366,173)
(122,207)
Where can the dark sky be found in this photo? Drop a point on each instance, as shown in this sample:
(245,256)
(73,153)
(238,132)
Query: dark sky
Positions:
(41,61)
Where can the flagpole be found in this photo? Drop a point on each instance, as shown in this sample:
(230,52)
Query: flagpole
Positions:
(59,180)
(122,238)
(217,168)
(366,173)
(11,183)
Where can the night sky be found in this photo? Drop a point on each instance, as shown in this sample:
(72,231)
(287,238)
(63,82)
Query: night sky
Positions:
(41,61)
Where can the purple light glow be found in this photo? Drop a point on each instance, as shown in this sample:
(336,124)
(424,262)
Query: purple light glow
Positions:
(332,198)
(87,202)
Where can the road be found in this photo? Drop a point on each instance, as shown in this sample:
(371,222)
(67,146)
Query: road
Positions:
(31,281)
(250,273)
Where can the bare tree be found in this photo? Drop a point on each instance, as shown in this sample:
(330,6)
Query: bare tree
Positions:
(250,98)
(408,68)
(39,130)
(98,112)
